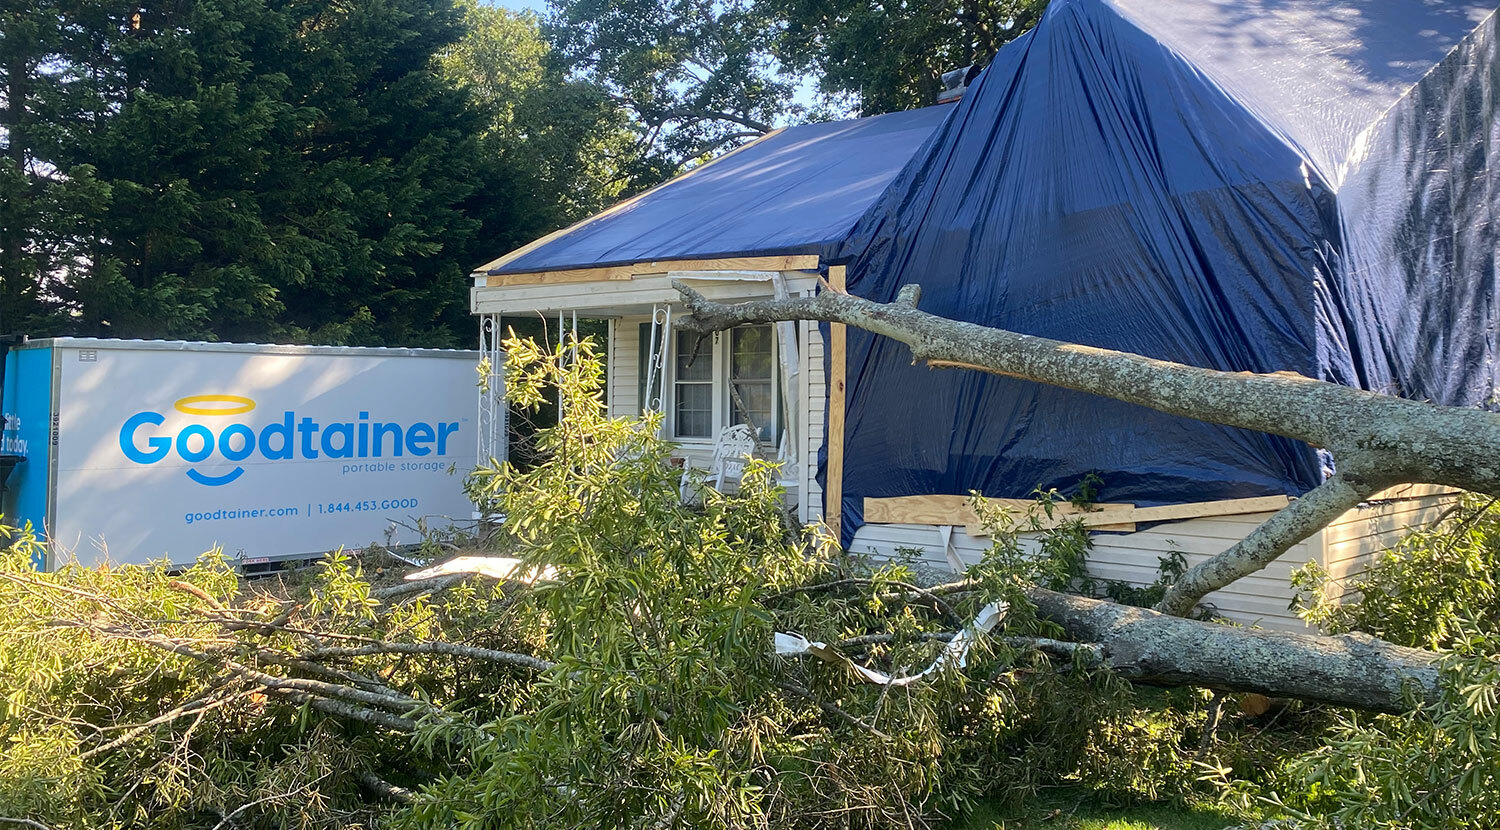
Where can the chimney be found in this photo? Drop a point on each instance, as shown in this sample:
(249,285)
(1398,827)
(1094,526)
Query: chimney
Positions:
(955,82)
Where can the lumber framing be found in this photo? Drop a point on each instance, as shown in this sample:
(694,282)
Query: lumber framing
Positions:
(959,511)
(833,491)
(808,262)
(941,510)
(1165,513)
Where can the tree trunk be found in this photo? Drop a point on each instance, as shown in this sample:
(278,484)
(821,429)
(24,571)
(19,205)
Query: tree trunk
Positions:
(1154,648)
(1145,646)
(1377,440)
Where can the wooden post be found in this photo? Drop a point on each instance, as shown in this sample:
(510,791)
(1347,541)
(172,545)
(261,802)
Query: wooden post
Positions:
(833,493)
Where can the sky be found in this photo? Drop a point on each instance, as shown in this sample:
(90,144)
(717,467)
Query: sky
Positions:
(538,6)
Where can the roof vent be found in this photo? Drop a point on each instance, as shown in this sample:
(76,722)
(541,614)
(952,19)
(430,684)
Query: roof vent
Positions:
(956,82)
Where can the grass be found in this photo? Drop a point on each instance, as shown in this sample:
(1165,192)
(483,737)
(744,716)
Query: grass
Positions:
(1081,810)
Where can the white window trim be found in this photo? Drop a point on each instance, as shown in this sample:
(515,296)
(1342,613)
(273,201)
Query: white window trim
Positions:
(720,354)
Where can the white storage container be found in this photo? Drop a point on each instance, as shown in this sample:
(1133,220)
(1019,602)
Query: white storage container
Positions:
(150,449)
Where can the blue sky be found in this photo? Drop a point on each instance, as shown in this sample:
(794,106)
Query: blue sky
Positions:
(538,6)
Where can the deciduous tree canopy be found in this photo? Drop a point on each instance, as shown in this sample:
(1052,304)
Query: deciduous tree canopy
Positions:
(298,170)
(699,76)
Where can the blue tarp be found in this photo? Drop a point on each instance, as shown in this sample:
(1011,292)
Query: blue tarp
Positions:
(798,191)
(1261,185)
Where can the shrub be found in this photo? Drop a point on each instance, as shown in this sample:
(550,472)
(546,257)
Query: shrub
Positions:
(631,683)
(1438,765)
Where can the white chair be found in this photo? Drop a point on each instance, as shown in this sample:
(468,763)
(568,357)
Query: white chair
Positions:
(734,447)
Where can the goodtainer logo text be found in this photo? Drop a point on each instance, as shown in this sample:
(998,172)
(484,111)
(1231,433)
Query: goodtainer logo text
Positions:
(284,440)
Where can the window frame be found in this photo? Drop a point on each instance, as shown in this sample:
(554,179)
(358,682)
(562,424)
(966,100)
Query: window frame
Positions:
(720,356)
(673,382)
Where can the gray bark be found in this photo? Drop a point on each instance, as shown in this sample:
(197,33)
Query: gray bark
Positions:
(1376,440)
(1154,648)
(1293,523)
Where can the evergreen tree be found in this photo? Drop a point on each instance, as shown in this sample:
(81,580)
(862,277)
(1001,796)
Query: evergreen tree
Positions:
(278,171)
(44,204)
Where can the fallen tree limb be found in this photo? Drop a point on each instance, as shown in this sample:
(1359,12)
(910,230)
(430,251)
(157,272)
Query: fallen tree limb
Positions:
(807,694)
(1150,647)
(524,661)
(198,705)
(344,709)
(385,789)
(1093,654)
(317,688)
(1377,440)
(1262,546)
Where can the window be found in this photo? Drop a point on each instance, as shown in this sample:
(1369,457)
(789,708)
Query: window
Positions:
(751,388)
(730,378)
(693,386)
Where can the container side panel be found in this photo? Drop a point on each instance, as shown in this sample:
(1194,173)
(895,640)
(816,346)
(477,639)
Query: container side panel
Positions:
(28,419)
(170,454)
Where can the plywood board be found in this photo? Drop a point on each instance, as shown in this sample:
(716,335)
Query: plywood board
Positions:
(957,510)
(1170,512)
(834,491)
(628,272)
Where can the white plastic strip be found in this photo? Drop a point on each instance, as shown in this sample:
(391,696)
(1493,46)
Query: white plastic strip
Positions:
(791,398)
(946,533)
(495,567)
(956,651)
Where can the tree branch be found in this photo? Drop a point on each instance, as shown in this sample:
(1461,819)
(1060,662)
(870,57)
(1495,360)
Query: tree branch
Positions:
(807,694)
(24,822)
(712,144)
(385,789)
(400,703)
(693,114)
(1377,440)
(1150,647)
(349,711)
(1399,440)
(524,661)
(1289,526)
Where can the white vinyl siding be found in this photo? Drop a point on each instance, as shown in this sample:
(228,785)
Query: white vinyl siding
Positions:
(1345,548)
(814,408)
(624,368)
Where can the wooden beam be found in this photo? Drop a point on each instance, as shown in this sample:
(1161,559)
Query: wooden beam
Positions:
(1166,513)
(833,491)
(556,277)
(628,272)
(957,510)
(615,208)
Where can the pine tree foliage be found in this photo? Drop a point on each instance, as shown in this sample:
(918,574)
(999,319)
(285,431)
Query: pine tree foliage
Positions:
(281,170)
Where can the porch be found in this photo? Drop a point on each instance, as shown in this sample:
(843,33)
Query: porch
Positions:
(769,377)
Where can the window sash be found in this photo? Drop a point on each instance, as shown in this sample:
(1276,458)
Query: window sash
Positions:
(752,374)
(755,375)
(694,414)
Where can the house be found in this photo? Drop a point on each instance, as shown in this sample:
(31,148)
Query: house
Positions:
(1257,185)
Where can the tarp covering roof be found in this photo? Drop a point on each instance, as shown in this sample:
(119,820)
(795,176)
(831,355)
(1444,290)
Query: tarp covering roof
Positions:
(798,191)
(1259,185)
